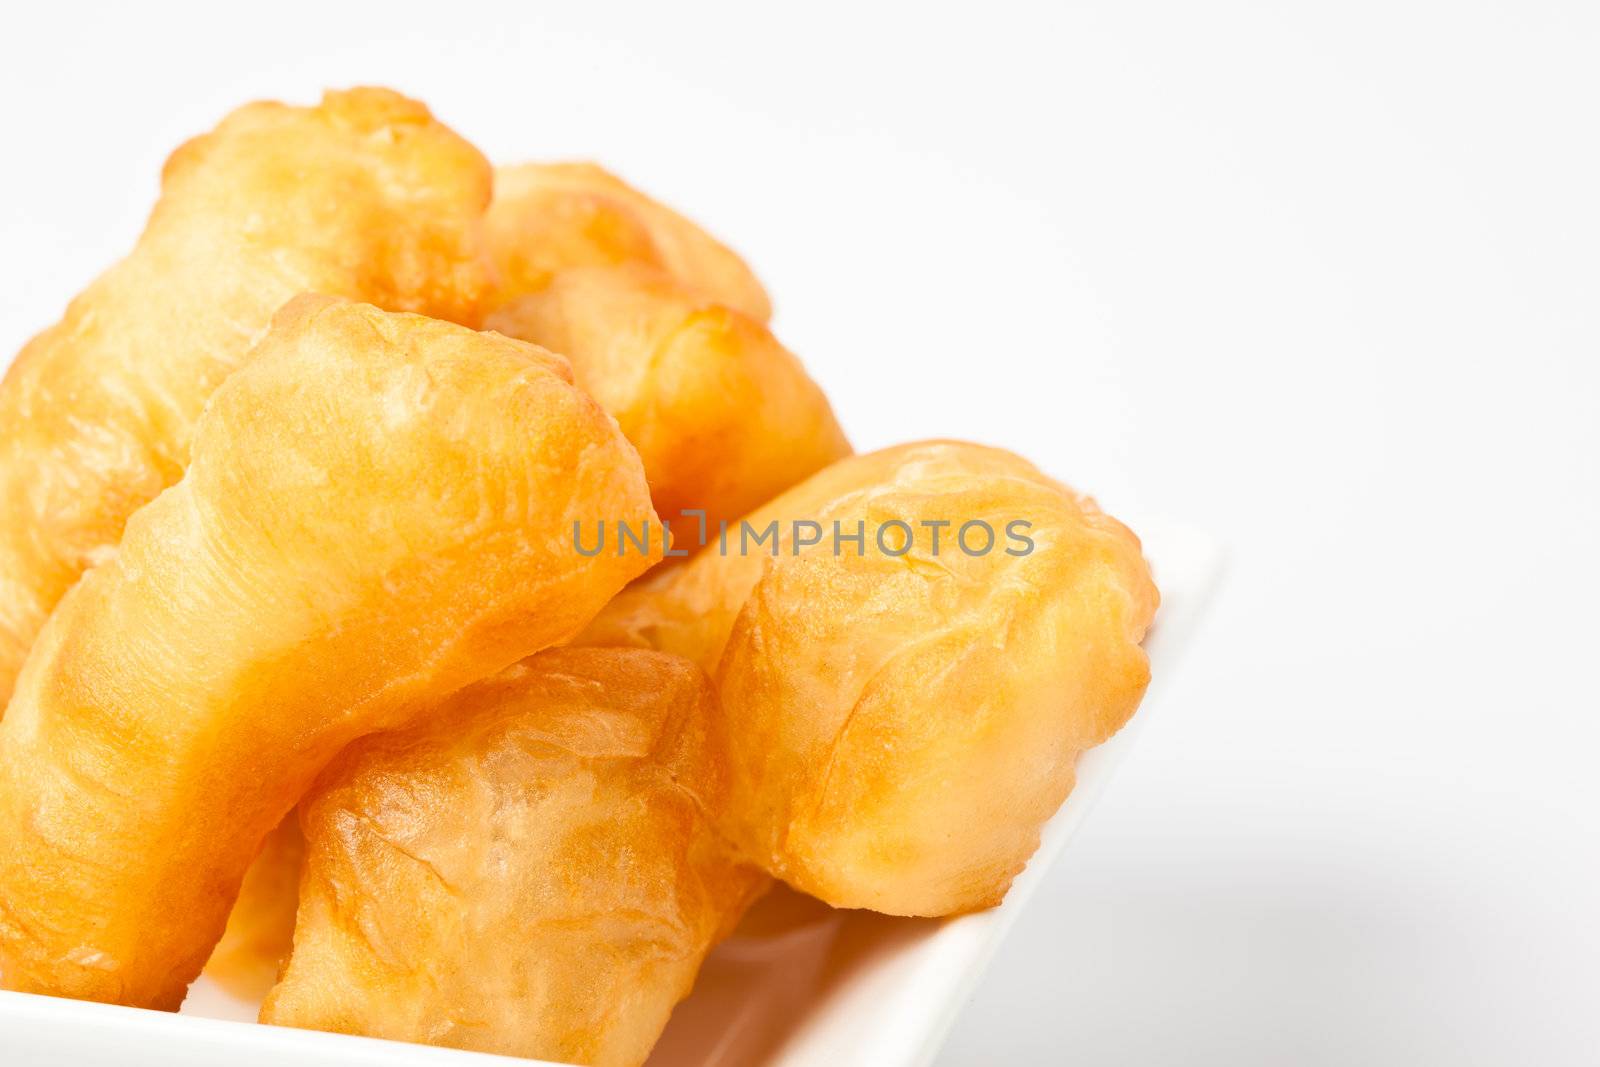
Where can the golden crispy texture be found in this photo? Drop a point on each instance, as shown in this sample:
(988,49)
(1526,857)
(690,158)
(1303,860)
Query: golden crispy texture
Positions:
(378,512)
(900,727)
(551,217)
(724,417)
(531,870)
(365,197)
(260,927)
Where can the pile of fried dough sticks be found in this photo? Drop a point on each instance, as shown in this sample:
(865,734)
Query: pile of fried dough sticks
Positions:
(335,595)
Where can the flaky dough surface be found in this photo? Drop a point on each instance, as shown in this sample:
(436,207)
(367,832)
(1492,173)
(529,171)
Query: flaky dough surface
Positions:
(551,217)
(378,511)
(529,870)
(900,726)
(724,417)
(364,196)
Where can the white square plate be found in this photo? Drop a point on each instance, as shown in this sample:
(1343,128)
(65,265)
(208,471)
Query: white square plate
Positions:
(834,989)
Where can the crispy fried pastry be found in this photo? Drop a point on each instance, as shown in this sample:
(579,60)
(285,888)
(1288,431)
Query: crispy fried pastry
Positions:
(724,417)
(364,196)
(378,512)
(901,719)
(551,217)
(532,869)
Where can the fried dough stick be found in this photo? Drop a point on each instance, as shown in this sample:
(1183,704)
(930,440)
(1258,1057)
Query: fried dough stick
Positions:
(531,870)
(364,196)
(552,217)
(902,719)
(379,511)
(724,417)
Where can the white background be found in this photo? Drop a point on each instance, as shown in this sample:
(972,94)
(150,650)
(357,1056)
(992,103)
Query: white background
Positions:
(1320,278)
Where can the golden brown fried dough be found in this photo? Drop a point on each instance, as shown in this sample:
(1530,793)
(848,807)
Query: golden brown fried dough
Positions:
(724,417)
(900,725)
(364,196)
(551,217)
(532,869)
(378,511)
(260,927)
